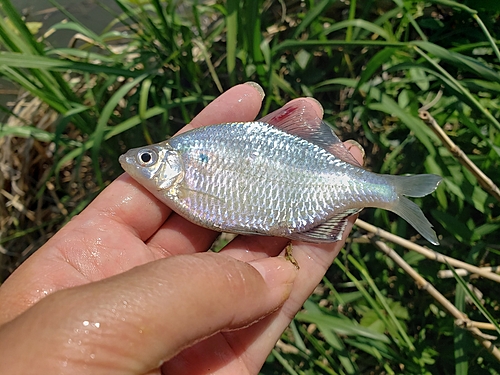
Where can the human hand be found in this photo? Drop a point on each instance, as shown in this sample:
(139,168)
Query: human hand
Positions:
(127,287)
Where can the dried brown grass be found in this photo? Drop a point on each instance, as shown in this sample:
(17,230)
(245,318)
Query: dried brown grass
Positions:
(34,202)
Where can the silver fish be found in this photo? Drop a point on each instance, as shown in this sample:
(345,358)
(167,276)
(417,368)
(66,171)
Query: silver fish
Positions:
(286,175)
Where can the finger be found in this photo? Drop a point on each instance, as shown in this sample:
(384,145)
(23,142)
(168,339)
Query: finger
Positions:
(356,150)
(240,103)
(180,236)
(133,322)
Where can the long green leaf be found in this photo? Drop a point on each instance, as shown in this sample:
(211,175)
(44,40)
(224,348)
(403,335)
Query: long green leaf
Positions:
(41,62)
(105,116)
(362,24)
(231,37)
(311,16)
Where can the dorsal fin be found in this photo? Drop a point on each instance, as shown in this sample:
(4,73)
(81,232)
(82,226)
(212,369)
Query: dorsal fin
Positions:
(299,118)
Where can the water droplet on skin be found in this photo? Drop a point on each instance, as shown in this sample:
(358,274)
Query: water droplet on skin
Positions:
(86,323)
(125,200)
(92,356)
(44,292)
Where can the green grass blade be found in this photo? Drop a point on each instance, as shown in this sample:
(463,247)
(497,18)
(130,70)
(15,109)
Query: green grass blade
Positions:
(41,62)
(473,297)
(231,37)
(35,133)
(351,17)
(493,43)
(362,24)
(312,44)
(25,40)
(455,5)
(211,68)
(286,366)
(382,299)
(460,337)
(78,26)
(104,117)
(372,302)
(311,16)
(464,91)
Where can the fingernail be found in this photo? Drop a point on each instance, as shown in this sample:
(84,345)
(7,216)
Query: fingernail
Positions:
(257,87)
(319,104)
(353,143)
(277,272)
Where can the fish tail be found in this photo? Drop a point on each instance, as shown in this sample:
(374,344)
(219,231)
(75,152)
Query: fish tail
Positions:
(415,186)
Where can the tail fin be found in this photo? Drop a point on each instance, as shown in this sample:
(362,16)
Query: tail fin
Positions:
(415,186)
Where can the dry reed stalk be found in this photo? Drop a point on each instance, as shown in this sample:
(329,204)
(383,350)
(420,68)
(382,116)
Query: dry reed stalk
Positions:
(430,254)
(446,274)
(461,319)
(485,182)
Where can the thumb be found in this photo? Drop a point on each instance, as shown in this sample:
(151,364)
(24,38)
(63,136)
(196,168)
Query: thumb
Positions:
(132,322)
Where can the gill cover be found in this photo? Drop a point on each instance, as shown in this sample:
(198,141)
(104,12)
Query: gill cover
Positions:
(170,170)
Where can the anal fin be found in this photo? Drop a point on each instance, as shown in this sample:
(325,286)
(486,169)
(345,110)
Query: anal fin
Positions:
(329,231)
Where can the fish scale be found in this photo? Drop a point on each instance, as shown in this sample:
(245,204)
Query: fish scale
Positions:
(287,177)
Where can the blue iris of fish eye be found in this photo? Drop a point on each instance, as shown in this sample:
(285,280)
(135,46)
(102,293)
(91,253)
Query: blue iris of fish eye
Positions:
(147,157)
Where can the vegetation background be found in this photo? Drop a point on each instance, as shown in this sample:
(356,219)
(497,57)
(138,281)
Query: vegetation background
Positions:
(373,64)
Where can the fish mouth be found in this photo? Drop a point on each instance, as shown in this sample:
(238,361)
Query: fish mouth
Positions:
(122,159)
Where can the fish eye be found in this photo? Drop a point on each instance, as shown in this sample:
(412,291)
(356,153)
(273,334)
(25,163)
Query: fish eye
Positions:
(147,157)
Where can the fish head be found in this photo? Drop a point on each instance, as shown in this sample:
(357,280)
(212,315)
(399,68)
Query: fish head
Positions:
(156,167)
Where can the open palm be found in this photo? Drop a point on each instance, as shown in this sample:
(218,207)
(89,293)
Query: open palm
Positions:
(127,287)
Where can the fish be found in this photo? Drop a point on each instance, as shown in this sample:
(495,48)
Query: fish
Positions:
(285,175)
